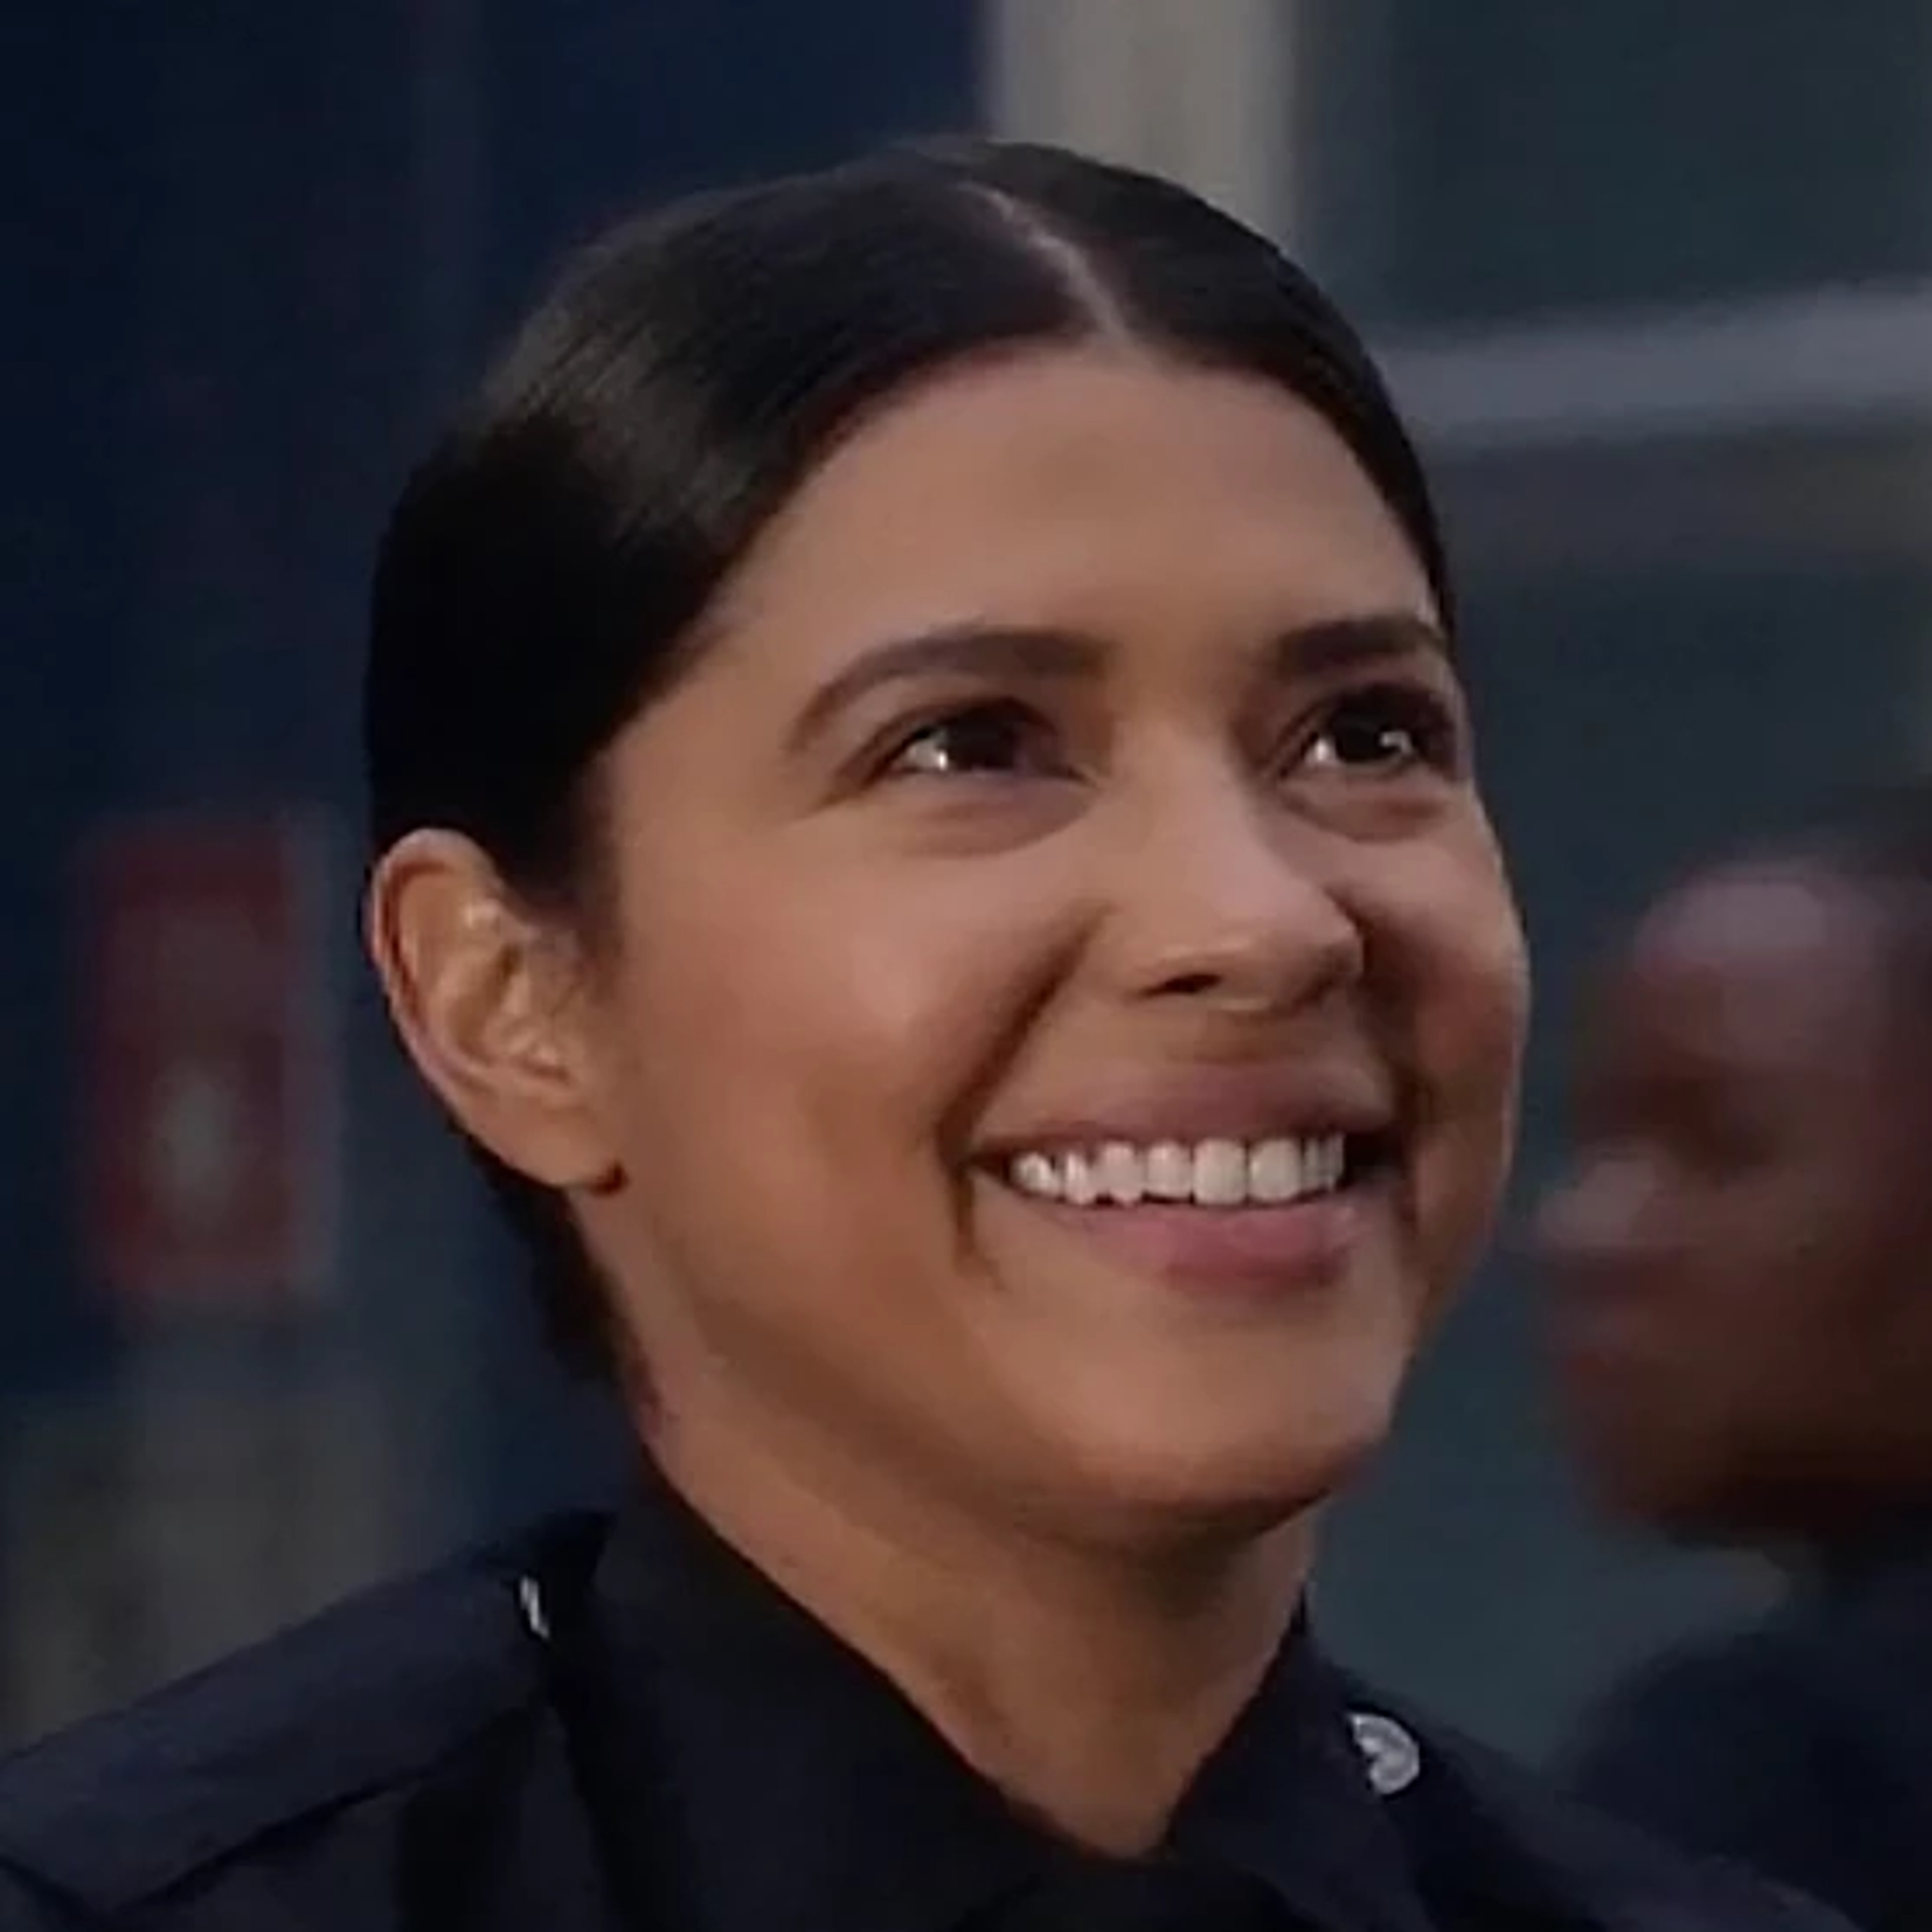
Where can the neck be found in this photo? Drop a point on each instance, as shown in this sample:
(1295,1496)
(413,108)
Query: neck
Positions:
(1088,1684)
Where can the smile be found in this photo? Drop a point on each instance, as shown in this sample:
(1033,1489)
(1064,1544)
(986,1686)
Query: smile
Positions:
(1215,1173)
(1252,1217)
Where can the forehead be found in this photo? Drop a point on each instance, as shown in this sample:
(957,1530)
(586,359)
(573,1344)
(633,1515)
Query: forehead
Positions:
(1764,969)
(1090,487)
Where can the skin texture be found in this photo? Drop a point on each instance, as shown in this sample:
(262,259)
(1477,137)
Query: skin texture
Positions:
(1177,827)
(1738,1257)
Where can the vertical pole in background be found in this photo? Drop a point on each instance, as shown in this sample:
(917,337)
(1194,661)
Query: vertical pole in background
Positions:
(1202,91)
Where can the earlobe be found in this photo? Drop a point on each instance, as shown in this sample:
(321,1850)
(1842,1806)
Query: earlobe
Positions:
(482,993)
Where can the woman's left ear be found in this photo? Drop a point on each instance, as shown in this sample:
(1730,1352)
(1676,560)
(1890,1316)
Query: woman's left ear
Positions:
(488,1001)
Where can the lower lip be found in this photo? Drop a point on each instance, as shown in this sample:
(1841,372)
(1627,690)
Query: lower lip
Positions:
(1253,1249)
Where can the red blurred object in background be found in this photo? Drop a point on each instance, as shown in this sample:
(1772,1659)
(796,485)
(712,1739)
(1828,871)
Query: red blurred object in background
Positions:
(211,1112)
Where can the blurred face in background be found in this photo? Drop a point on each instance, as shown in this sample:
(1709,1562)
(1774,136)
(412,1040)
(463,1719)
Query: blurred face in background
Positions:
(1740,1252)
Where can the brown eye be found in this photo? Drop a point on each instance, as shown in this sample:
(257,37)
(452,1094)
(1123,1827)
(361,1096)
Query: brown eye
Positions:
(1000,739)
(1384,731)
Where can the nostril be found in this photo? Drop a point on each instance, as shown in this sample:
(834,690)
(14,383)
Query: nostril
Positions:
(1190,985)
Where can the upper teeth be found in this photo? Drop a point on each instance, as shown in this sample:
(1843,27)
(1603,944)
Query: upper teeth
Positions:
(1212,1173)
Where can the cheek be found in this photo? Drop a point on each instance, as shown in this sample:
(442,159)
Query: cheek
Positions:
(1457,1006)
(797,1055)
(817,1031)
(788,1048)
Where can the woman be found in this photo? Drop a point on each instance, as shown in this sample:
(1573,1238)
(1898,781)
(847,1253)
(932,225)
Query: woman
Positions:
(1738,1257)
(926,838)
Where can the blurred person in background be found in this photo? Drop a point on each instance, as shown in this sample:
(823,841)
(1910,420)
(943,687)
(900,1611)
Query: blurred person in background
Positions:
(926,832)
(1742,1259)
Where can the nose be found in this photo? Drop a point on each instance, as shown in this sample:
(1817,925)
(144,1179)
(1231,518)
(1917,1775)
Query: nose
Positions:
(1225,901)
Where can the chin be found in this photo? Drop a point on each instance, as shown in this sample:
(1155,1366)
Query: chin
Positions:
(1230,1471)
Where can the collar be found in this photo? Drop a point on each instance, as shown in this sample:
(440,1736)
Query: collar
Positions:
(754,1774)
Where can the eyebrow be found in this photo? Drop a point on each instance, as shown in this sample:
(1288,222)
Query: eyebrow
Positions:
(1326,649)
(1356,644)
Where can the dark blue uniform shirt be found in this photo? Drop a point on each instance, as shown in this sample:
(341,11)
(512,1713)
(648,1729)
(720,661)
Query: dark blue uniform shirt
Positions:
(616,1726)
(1803,1748)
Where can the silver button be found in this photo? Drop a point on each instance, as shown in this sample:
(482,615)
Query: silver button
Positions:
(530,1601)
(1389,1750)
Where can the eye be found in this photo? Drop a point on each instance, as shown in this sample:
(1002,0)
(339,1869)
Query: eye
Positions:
(1385,730)
(999,738)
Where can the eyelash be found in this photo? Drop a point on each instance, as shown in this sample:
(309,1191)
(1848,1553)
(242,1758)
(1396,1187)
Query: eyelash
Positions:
(1432,726)
(1023,718)
(1421,715)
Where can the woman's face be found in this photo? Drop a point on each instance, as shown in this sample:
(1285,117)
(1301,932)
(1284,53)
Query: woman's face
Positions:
(1056,1040)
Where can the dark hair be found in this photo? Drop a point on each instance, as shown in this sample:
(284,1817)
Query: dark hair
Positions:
(543,575)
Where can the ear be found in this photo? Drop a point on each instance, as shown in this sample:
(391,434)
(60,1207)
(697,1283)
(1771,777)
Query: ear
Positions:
(487,1000)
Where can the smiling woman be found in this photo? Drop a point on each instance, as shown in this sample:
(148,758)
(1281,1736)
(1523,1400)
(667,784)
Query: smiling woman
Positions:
(925,834)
